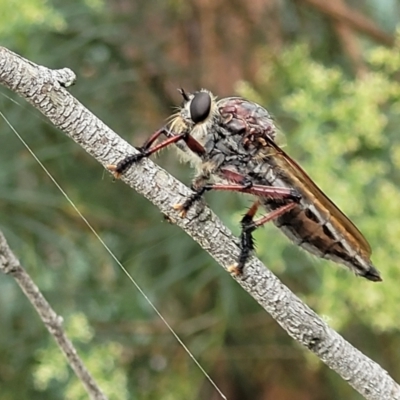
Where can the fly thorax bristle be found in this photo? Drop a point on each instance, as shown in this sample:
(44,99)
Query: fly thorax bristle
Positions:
(208,167)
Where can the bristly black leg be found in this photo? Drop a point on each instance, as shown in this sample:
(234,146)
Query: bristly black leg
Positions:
(128,161)
(249,226)
(196,196)
(246,241)
(146,150)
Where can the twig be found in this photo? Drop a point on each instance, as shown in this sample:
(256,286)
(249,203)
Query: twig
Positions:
(44,89)
(10,265)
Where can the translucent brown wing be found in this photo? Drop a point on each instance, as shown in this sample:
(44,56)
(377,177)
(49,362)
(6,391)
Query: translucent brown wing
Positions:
(293,168)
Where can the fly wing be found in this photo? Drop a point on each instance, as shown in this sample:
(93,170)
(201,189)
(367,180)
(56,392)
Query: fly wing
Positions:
(295,169)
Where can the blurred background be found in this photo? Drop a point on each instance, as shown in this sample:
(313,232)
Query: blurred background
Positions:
(327,71)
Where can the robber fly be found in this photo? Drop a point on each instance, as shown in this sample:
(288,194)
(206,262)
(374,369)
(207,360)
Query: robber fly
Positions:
(232,144)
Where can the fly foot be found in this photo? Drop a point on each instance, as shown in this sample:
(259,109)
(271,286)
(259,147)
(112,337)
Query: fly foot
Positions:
(181,208)
(235,269)
(189,202)
(118,169)
(114,170)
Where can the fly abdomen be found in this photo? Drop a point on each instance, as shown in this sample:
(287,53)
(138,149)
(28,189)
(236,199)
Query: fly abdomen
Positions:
(314,230)
(304,228)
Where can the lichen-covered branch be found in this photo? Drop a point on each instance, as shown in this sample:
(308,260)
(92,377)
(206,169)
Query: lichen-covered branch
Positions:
(45,90)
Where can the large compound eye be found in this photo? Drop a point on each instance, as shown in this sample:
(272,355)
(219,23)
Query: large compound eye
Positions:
(200,107)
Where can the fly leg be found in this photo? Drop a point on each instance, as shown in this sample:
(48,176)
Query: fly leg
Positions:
(246,187)
(144,151)
(147,150)
(246,239)
(200,185)
(248,227)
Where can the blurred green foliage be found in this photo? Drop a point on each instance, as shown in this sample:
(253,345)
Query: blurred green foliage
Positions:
(18,18)
(341,126)
(100,361)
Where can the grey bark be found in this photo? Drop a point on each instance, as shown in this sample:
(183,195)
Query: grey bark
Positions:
(45,90)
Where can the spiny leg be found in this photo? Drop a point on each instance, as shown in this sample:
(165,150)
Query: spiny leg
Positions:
(199,185)
(248,227)
(246,236)
(240,183)
(146,150)
(246,187)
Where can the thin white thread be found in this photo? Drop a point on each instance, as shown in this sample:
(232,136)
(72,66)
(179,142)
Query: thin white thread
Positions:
(179,340)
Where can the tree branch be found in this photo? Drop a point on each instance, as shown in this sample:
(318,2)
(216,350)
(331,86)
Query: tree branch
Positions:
(10,265)
(44,89)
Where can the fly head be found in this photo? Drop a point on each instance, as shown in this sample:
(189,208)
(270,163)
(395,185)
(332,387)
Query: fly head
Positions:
(195,115)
